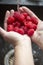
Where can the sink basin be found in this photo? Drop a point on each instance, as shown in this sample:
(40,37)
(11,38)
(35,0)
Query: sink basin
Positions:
(8,58)
(25,2)
(38,10)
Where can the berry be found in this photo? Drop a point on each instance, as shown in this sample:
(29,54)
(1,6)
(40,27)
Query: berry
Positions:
(16,24)
(21,31)
(16,15)
(10,20)
(28,18)
(22,17)
(24,28)
(13,24)
(30,32)
(22,23)
(25,23)
(10,28)
(34,20)
(19,16)
(34,26)
(15,29)
(25,14)
(29,25)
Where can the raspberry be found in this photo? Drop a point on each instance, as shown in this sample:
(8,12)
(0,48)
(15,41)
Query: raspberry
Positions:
(24,28)
(22,23)
(16,24)
(25,22)
(10,20)
(30,32)
(22,17)
(10,28)
(19,16)
(21,31)
(25,14)
(29,25)
(28,18)
(34,20)
(13,24)
(34,26)
(15,29)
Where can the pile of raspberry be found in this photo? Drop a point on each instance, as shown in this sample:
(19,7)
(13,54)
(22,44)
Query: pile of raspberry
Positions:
(22,23)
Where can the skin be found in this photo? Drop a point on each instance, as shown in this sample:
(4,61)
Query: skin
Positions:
(38,34)
(22,44)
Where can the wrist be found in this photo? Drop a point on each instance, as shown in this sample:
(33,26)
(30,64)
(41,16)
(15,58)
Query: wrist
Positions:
(25,40)
(35,37)
(23,51)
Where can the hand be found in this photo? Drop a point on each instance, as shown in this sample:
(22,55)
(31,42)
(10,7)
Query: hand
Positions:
(22,44)
(13,37)
(38,34)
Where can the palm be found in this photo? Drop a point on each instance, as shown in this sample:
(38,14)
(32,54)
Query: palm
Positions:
(38,34)
(40,26)
(12,37)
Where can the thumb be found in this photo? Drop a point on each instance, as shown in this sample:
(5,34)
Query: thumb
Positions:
(2,32)
(27,10)
(40,32)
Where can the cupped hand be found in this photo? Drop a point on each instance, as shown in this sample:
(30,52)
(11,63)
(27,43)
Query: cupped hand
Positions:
(13,37)
(38,34)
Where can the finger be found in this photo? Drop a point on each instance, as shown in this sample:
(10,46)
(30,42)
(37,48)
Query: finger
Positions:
(3,32)
(40,32)
(12,12)
(28,11)
(5,21)
(21,10)
(40,26)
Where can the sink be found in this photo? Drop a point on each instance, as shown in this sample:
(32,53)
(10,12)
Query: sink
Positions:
(5,47)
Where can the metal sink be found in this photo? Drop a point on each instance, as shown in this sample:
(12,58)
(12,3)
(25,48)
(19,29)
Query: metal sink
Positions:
(5,47)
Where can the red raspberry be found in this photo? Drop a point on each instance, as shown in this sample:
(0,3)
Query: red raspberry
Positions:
(25,14)
(22,23)
(28,18)
(34,20)
(24,28)
(22,17)
(10,20)
(25,22)
(29,25)
(34,26)
(13,24)
(16,15)
(10,28)
(21,31)
(15,29)
(19,16)
(30,32)
(16,24)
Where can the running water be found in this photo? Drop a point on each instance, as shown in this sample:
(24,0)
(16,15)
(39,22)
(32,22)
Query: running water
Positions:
(18,4)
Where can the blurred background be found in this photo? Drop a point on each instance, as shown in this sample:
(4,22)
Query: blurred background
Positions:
(26,2)
(37,7)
